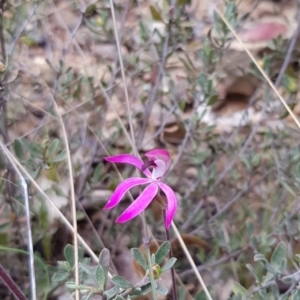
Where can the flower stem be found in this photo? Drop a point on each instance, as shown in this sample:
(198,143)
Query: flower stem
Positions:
(170,256)
(11,285)
(146,243)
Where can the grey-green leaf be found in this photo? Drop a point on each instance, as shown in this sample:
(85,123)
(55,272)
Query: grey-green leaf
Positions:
(53,147)
(18,149)
(239,290)
(86,269)
(104,258)
(64,265)
(277,256)
(137,254)
(252,271)
(89,296)
(263,294)
(69,254)
(112,292)
(296,295)
(162,252)
(121,282)
(119,298)
(162,290)
(155,14)
(101,277)
(170,263)
(60,276)
(144,290)
(259,256)
(60,157)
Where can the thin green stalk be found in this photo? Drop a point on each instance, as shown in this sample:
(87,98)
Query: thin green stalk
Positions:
(147,242)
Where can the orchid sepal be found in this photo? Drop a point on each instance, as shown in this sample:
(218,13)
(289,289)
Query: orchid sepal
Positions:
(140,203)
(128,159)
(123,188)
(171,203)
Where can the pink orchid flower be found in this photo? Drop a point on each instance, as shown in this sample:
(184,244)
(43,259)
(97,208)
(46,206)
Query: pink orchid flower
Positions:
(160,160)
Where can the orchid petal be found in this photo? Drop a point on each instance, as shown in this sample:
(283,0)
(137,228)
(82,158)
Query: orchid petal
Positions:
(171,203)
(140,203)
(128,159)
(122,189)
(160,154)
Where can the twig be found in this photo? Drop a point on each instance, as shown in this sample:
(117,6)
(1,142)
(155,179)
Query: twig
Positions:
(86,171)
(2,40)
(73,200)
(123,77)
(190,259)
(23,187)
(186,137)
(213,264)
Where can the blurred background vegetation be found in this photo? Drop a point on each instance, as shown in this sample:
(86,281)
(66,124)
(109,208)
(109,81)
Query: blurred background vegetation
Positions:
(194,91)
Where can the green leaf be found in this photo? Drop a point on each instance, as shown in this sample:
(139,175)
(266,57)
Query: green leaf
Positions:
(181,293)
(183,2)
(119,298)
(296,295)
(212,100)
(283,265)
(162,290)
(53,147)
(169,264)
(104,258)
(144,290)
(69,254)
(86,269)
(89,296)
(60,276)
(60,157)
(64,265)
(138,256)
(153,259)
(101,277)
(238,289)
(287,187)
(98,173)
(33,148)
(202,296)
(155,14)
(252,271)
(259,257)
(90,9)
(121,282)
(202,80)
(112,292)
(263,295)
(278,255)
(83,288)
(162,252)
(18,149)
